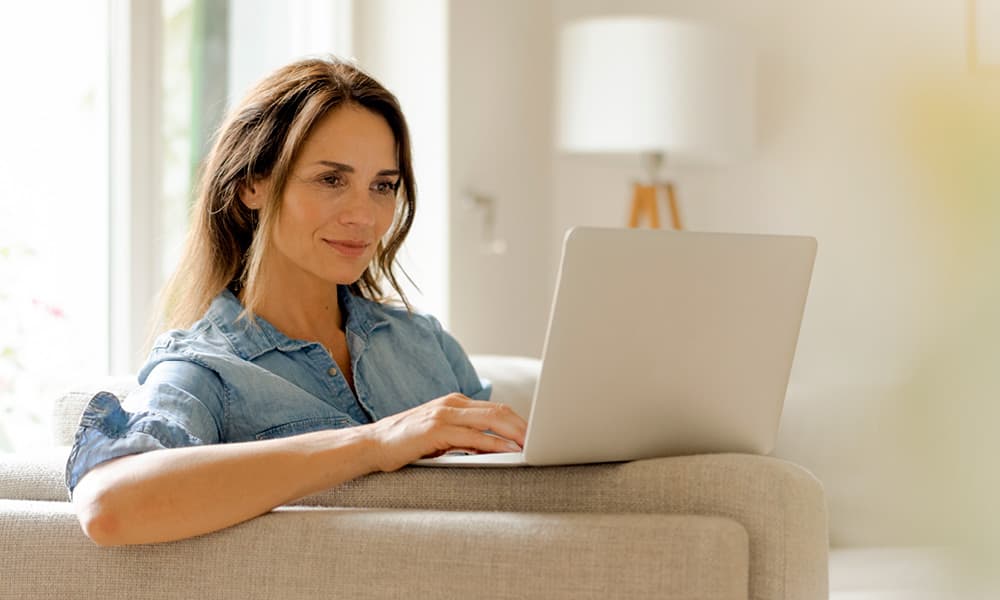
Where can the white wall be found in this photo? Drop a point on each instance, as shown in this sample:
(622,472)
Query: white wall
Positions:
(500,94)
(404,45)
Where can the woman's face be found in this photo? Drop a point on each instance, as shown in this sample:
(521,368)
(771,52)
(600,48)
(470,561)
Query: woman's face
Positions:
(340,198)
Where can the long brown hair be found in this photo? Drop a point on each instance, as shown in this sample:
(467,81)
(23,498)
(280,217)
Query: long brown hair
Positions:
(261,138)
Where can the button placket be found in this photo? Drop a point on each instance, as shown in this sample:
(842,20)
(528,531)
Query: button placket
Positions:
(319,355)
(357,349)
(338,393)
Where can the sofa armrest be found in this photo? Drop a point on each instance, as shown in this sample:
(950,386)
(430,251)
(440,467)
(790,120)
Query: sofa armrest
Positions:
(779,504)
(36,475)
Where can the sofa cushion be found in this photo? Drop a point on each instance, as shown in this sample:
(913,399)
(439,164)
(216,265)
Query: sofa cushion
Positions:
(36,475)
(356,553)
(513,379)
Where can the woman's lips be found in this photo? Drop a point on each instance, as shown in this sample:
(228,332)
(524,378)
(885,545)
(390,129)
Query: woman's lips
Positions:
(348,248)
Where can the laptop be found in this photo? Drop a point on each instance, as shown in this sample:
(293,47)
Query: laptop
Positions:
(663,343)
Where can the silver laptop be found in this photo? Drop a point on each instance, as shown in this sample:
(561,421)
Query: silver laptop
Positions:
(663,343)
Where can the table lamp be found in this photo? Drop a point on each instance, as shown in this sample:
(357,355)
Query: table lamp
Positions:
(658,88)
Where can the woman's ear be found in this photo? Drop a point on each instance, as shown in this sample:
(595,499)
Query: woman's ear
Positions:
(254,194)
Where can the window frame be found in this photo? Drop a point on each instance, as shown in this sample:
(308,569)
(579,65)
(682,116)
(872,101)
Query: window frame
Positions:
(134,177)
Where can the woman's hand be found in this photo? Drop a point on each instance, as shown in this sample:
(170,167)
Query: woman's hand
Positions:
(450,422)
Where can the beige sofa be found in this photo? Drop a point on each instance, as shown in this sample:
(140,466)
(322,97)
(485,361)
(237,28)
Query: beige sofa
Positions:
(698,527)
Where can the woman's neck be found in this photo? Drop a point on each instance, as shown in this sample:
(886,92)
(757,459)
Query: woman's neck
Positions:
(300,305)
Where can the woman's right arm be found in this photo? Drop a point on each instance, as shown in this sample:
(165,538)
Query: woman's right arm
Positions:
(177,493)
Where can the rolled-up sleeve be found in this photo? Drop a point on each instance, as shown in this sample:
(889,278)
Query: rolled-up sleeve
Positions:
(179,404)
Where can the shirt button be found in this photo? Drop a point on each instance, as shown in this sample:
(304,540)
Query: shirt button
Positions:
(332,371)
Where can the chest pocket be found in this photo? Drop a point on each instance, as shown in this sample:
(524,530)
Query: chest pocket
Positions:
(304,426)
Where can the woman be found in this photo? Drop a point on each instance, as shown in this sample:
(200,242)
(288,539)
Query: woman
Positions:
(282,344)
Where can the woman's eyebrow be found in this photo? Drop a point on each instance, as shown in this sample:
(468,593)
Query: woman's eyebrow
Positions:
(349,169)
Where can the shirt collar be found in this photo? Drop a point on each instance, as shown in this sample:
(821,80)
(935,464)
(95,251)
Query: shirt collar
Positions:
(251,340)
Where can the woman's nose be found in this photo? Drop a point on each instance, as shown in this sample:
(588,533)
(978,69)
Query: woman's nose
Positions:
(359,208)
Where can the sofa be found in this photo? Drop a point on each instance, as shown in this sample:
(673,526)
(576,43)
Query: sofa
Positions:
(708,527)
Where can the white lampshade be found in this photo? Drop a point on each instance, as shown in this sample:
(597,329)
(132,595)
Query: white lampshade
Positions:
(639,84)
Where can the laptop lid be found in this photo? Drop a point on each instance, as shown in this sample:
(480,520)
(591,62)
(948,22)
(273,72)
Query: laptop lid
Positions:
(663,343)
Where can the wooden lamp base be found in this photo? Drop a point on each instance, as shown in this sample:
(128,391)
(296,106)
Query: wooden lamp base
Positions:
(644,206)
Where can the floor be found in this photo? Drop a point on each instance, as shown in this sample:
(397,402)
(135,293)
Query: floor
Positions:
(893,574)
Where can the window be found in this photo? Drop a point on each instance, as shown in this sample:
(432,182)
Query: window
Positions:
(117,101)
(53,209)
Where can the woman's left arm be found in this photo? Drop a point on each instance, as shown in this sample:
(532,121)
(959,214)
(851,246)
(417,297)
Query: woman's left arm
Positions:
(469,382)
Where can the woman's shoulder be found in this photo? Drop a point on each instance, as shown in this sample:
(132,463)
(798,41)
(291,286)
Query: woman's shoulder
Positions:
(217,333)
(202,336)
(396,315)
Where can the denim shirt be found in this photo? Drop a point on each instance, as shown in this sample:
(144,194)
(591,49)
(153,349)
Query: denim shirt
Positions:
(226,380)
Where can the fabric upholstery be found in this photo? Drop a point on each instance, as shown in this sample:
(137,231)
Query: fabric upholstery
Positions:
(354,553)
(34,476)
(513,379)
(779,506)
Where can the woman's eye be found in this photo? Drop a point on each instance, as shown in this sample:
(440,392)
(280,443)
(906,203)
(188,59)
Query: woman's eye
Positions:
(332,180)
(385,187)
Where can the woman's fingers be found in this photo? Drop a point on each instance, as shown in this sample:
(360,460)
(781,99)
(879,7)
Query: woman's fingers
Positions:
(482,415)
(479,441)
(453,421)
(500,420)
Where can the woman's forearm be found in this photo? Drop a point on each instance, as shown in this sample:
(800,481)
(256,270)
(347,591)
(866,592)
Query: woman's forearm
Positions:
(173,494)
(178,493)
